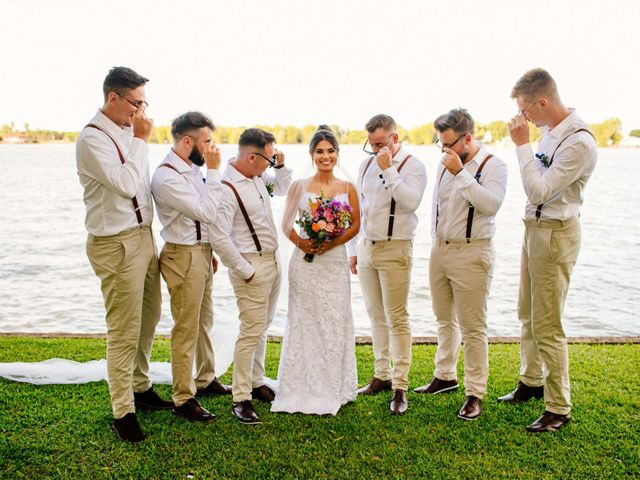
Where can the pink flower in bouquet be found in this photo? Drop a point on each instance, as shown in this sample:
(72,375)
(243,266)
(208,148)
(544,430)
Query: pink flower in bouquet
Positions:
(322,224)
(330,227)
(328,216)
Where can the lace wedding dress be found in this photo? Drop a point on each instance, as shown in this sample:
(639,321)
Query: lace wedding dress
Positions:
(317,372)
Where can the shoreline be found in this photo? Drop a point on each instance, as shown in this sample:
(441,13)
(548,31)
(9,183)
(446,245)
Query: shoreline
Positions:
(360,340)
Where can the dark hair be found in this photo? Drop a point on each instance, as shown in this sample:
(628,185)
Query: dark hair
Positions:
(188,122)
(323,133)
(457,120)
(535,83)
(121,79)
(380,121)
(255,137)
(324,126)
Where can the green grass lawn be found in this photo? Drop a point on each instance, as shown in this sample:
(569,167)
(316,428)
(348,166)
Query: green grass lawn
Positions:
(62,431)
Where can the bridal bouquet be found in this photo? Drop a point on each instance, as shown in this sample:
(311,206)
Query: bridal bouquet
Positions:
(327,219)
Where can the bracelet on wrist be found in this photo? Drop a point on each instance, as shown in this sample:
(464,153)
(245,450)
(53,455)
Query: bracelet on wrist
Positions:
(278,166)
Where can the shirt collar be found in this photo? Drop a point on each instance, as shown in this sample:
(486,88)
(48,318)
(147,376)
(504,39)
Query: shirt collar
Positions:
(110,127)
(178,163)
(234,175)
(480,155)
(400,156)
(560,129)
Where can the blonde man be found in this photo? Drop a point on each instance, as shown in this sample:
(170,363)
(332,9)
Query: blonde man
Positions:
(554,179)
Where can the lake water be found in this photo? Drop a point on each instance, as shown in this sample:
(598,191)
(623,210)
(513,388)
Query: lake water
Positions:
(47,284)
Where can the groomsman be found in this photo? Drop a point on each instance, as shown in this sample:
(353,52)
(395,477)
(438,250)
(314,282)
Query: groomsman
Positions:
(554,179)
(470,187)
(112,158)
(186,207)
(246,238)
(391,183)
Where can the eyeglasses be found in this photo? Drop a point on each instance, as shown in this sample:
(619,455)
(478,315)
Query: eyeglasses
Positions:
(197,139)
(524,112)
(379,145)
(272,160)
(138,104)
(441,145)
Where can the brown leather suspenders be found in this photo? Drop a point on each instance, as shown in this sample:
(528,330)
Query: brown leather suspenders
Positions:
(136,208)
(245,215)
(392,210)
(471,207)
(539,207)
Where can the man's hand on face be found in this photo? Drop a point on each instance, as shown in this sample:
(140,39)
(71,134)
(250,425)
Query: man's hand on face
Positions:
(451,161)
(279,158)
(519,130)
(384,158)
(212,155)
(142,125)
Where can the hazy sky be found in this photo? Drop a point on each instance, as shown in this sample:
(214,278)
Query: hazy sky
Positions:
(297,62)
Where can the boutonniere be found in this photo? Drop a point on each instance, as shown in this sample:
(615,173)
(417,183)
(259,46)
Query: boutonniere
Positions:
(270,187)
(544,160)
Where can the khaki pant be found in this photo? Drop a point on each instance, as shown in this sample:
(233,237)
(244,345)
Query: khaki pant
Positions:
(127,266)
(549,252)
(384,269)
(257,302)
(189,275)
(460,275)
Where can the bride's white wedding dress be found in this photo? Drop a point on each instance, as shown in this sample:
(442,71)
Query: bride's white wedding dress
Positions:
(317,372)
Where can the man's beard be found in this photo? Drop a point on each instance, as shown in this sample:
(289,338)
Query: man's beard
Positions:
(463,157)
(196,157)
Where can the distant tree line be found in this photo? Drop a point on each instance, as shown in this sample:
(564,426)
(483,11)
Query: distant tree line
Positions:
(607,133)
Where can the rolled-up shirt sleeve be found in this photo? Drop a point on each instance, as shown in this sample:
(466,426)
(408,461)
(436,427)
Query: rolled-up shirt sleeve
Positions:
(542,184)
(281,180)
(121,178)
(406,190)
(488,196)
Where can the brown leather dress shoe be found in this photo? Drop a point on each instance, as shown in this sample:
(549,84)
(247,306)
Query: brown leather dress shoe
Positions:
(438,386)
(214,388)
(399,404)
(374,386)
(192,411)
(128,428)
(245,413)
(522,393)
(150,400)
(549,422)
(471,409)
(263,393)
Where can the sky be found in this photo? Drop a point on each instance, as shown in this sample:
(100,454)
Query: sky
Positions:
(298,62)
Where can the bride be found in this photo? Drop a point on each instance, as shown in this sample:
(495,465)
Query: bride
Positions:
(317,372)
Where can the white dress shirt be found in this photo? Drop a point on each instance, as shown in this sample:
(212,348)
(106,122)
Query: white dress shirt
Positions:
(560,188)
(182,198)
(376,191)
(109,185)
(230,235)
(453,194)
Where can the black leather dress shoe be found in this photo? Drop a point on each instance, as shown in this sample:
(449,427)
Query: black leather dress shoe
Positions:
(128,428)
(150,400)
(471,409)
(549,422)
(263,393)
(245,413)
(192,411)
(438,386)
(214,388)
(522,393)
(374,386)
(399,404)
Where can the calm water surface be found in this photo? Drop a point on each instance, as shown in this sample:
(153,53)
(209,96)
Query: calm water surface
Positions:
(47,285)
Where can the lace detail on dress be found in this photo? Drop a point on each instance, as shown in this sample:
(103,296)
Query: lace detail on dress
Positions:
(317,372)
